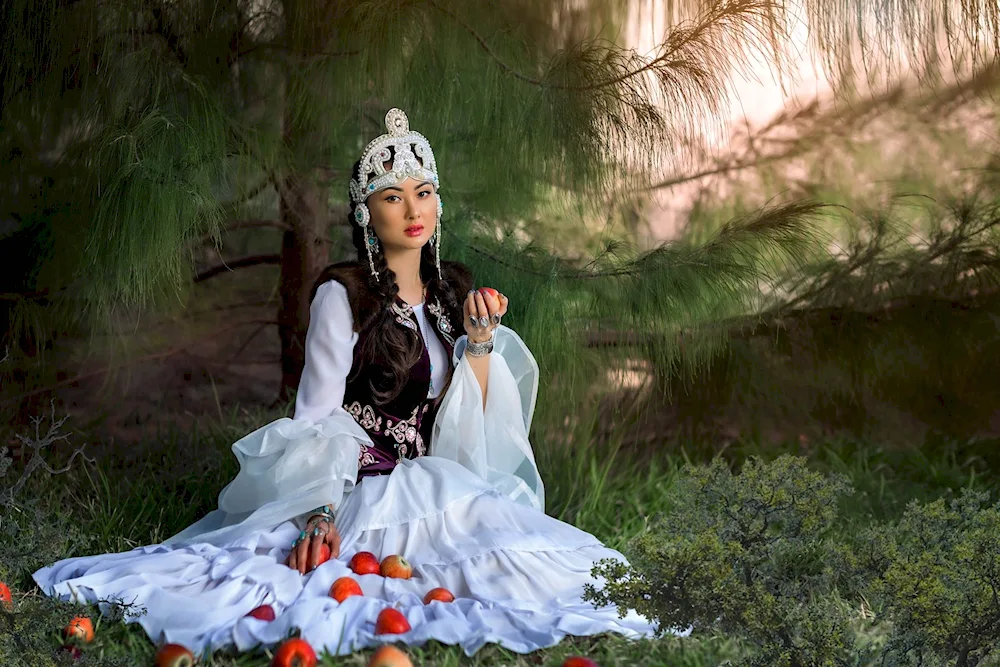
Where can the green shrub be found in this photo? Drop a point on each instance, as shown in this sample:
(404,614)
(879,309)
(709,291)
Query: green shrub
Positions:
(749,555)
(940,584)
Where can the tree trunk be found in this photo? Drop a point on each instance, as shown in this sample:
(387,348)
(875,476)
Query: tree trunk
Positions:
(305,252)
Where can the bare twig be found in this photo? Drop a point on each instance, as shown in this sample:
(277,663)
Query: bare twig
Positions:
(37,444)
(250,223)
(242,262)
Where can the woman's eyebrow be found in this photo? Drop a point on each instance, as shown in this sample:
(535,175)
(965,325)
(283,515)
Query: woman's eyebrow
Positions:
(419,185)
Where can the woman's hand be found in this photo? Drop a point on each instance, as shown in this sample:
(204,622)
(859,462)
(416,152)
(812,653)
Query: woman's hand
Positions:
(479,306)
(305,554)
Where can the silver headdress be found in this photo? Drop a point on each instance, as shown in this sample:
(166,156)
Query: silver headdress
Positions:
(402,147)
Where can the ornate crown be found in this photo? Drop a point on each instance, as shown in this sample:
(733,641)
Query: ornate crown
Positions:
(406,147)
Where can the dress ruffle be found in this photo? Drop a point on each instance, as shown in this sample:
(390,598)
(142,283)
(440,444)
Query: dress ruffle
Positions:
(517,574)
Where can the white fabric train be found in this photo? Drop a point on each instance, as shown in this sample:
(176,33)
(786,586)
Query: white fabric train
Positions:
(468,517)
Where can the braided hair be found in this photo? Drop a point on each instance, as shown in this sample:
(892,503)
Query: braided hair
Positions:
(393,349)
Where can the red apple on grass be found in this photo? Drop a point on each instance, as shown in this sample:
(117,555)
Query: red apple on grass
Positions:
(80,628)
(265,612)
(294,653)
(364,562)
(442,594)
(344,588)
(391,622)
(389,656)
(396,567)
(578,661)
(5,598)
(173,655)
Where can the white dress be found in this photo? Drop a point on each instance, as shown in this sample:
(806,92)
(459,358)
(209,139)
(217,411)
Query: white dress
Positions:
(468,516)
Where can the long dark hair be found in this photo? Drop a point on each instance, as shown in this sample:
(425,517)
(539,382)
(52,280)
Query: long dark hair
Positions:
(387,346)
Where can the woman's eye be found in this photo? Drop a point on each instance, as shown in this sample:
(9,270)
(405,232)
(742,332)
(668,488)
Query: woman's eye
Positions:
(425,192)
(391,197)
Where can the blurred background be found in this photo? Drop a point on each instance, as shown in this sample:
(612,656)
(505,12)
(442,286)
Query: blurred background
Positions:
(716,221)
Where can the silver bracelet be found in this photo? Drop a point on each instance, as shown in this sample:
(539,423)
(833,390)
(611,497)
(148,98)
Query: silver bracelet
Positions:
(480,349)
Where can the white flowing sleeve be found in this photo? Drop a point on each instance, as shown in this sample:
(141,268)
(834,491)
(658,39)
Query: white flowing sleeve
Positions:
(493,441)
(291,466)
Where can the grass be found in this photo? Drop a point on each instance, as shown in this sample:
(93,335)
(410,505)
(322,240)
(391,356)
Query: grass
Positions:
(604,490)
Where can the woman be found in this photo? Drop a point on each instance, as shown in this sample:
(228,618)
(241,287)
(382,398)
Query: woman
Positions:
(405,440)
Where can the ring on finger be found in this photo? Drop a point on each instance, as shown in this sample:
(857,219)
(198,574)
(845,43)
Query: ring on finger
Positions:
(484,322)
(496,318)
(317,532)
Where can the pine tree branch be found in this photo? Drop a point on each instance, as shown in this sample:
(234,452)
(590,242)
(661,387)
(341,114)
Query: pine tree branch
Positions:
(299,52)
(757,325)
(241,263)
(250,195)
(669,59)
(250,223)
(149,357)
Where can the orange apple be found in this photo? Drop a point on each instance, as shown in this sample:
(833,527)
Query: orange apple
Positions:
(389,656)
(396,567)
(81,628)
(344,588)
(294,653)
(5,598)
(265,612)
(442,594)
(364,562)
(173,655)
(578,661)
(391,622)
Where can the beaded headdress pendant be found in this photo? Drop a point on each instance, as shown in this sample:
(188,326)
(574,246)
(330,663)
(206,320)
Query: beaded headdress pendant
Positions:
(410,156)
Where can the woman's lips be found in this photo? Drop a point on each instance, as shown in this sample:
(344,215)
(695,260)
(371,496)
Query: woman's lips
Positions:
(414,231)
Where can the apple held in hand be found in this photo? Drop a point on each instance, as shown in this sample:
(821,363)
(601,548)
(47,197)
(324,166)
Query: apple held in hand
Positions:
(442,594)
(80,628)
(489,290)
(173,655)
(390,656)
(391,622)
(396,567)
(344,588)
(364,562)
(294,653)
(265,612)
(324,554)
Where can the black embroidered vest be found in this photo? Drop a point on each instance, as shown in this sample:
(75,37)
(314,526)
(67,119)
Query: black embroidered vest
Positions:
(402,427)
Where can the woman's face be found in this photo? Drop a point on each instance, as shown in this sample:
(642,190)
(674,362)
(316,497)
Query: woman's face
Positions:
(404,215)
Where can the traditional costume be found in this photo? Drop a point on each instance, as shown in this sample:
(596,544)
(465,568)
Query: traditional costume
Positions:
(432,475)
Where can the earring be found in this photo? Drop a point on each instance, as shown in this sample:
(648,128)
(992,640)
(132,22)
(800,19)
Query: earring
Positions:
(363,218)
(436,236)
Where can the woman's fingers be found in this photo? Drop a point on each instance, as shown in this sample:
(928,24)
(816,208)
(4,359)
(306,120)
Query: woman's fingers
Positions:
(302,558)
(503,305)
(314,547)
(470,306)
(481,308)
(333,540)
